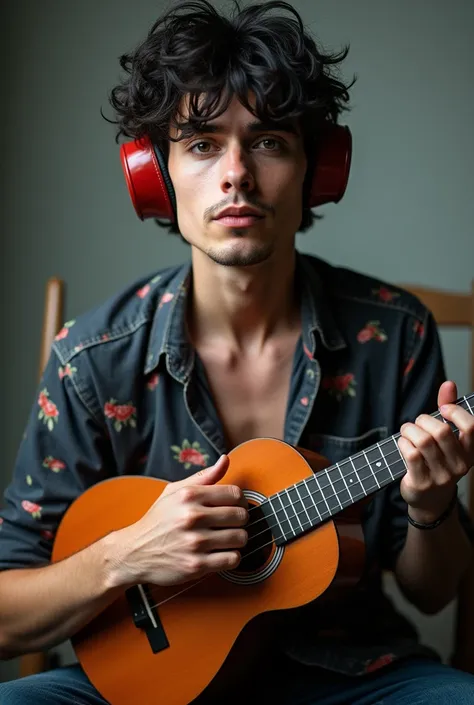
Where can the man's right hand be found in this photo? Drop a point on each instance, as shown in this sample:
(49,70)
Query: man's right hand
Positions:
(192,529)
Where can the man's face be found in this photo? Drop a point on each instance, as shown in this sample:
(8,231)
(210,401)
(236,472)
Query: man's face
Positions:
(237,161)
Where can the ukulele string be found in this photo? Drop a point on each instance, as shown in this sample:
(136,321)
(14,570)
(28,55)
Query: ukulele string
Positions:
(297,514)
(321,518)
(176,594)
(324,499)
(259,548)
(311,494)
(269,543)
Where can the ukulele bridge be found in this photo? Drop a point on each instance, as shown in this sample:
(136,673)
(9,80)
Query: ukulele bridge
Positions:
(146,617)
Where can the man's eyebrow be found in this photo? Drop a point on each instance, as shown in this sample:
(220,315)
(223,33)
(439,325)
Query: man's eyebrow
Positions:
(189,128)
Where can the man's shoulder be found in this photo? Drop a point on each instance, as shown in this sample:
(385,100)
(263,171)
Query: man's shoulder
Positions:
(351,286)
(129,312)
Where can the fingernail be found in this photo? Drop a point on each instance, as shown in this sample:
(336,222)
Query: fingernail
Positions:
(444,408)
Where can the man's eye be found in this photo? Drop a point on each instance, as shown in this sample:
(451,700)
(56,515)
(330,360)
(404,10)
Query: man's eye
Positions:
(200,144)
(276,143)
(271,145)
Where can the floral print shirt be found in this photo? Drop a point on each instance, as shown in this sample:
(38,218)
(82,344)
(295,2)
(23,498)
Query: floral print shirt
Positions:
(124,393)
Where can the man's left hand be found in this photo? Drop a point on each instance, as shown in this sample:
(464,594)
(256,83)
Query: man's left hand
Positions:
(436,459)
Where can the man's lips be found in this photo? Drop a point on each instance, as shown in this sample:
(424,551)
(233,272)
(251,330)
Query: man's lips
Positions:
(239,220)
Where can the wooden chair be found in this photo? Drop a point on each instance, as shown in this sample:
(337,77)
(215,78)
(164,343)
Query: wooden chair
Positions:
(52,321)
(451,309)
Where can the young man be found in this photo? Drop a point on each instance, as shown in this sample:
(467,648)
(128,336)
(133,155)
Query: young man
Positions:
(251,339)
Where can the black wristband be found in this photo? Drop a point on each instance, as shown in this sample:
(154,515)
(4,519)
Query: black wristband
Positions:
(439,520)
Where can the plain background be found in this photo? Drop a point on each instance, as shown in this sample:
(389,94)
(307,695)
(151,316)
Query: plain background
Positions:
(407,215)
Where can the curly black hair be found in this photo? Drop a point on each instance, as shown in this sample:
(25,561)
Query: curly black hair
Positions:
(193,50)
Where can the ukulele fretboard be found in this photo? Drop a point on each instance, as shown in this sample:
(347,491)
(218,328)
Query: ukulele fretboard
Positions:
(310,502)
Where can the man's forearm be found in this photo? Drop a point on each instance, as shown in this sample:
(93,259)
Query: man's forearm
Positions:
(42,607)
(432,563)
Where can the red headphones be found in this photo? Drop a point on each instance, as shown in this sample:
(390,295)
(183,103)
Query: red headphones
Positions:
(153,195)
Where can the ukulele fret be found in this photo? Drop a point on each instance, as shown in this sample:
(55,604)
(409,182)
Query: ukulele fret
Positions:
(308,519)
(374,471)
(390,474)
(395,468)
(340,485)
(309,502)
(278,529)
(286,514)
(290,502)
(365,473)
(355,481)
(468,407)
(315,499)
(330,498)
(296,510)
(335,494)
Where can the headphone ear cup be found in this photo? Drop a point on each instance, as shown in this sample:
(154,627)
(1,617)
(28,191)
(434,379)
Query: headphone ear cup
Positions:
(332,166)
(153,196)
(148,181)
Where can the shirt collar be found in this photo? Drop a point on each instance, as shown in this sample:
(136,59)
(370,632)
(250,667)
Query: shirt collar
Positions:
(316,310)
(168,334)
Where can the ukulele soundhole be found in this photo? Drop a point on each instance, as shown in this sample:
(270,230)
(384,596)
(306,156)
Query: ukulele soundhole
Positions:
(261,556)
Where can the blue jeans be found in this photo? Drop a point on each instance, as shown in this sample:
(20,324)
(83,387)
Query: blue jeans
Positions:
(411,682)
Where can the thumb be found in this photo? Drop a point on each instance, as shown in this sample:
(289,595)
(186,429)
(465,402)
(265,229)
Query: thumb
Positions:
(210,475)
(447,393)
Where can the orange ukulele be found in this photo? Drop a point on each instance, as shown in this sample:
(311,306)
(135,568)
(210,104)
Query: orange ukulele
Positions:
(165,645)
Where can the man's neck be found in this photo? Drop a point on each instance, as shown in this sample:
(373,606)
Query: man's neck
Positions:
(242,308)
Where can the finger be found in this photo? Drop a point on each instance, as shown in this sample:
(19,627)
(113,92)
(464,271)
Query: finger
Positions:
(216,495)
(218,517)
(447,393)
(221,560)
(452,454)
(424,457)
(220,496)
(414,462)
(465,423)
(208,476)
(222,539)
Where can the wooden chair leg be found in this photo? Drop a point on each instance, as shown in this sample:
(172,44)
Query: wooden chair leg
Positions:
(30,664)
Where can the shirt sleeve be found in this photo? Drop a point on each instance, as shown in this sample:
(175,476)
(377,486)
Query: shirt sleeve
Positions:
(423,373)
(65,449)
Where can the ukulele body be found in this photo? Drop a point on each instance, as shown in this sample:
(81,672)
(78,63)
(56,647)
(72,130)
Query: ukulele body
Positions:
(201,621)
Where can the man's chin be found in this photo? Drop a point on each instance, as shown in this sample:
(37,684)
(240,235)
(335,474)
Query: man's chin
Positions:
(240,254)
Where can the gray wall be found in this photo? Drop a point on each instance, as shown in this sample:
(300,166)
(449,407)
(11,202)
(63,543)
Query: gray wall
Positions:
(407,215)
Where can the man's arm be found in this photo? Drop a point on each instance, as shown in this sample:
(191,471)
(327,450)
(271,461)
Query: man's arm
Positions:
(64,450)
(193,528)
(432,562)
(42,607)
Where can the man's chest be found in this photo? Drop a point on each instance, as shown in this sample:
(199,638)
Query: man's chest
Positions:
(251,403)
(251,397)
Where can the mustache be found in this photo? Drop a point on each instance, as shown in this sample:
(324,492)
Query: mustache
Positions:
(211,212)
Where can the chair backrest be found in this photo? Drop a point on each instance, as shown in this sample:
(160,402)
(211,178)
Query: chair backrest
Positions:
(456,309)
(52,320)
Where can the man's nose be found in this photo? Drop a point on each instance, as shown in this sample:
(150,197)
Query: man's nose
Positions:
(237,170)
